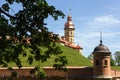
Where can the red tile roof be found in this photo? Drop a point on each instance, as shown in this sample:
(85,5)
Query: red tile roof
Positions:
(68,44)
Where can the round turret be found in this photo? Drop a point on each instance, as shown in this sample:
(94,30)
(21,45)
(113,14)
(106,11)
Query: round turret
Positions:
(101,68)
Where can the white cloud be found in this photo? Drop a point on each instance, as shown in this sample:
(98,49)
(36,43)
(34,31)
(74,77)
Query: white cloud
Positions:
(104,21)
(92,36)
(111,34)
(90,40)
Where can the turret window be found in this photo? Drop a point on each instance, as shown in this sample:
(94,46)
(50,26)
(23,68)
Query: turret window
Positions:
(105,62)
(97,62)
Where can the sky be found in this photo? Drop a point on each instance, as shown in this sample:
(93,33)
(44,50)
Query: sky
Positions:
(90,17)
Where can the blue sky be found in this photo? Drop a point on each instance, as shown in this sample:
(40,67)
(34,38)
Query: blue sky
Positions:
(90,17)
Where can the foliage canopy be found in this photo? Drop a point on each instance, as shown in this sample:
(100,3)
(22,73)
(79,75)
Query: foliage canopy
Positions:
(28,24)
(117,58)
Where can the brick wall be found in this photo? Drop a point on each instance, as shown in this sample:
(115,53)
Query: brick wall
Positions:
(72,72)
(115,73)
(22,72)
(77,73)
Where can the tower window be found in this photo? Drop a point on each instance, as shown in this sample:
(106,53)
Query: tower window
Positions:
(97,62)
(66,33)
(105,62)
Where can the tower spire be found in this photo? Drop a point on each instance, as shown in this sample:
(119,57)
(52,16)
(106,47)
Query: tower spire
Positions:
(100,38)
(69,11)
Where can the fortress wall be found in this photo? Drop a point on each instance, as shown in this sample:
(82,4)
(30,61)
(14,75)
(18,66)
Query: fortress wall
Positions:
(115,73)
(72,72)
(22,72)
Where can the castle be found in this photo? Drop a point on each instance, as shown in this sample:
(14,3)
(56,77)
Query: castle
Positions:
(99,71)
(101,63)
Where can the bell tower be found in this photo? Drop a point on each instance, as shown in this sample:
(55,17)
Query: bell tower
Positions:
(69,30)
(101,67)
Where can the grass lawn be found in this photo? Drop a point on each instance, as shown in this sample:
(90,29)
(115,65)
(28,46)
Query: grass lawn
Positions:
(74,59)
(115,68)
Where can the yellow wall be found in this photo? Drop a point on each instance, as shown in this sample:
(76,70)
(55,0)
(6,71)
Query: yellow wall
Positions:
(69,35)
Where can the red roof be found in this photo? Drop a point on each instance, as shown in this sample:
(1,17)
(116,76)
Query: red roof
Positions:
(68,44)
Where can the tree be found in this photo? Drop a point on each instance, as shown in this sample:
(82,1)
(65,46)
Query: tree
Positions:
(28,23)
(90,57)
(112,61)
(117,57)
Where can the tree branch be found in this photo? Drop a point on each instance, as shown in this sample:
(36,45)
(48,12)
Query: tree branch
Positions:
(2,11)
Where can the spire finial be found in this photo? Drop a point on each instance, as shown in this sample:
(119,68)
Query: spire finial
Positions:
(100,38)
(69,11)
